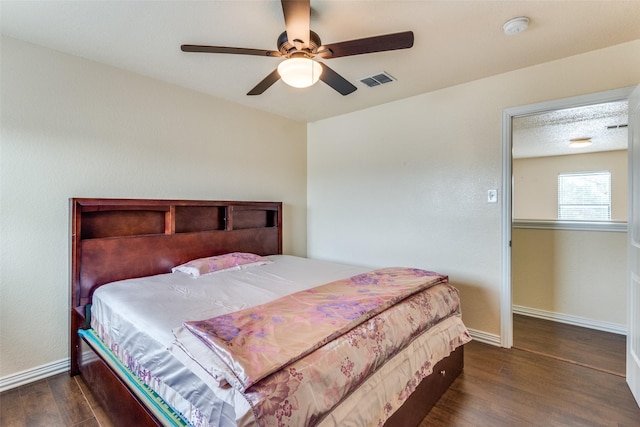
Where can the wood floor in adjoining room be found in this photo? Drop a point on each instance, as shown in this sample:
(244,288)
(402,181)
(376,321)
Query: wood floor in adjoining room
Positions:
(588,347)
(498,387)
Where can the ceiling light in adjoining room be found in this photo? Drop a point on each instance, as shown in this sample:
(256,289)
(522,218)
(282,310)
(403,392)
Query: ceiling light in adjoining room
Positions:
(299,72)
(515,25)
(580,142)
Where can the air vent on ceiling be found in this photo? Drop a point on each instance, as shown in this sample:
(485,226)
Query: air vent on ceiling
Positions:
(377,79)
(617,126)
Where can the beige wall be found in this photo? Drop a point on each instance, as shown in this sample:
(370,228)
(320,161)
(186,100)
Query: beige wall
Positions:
(571,273)
(75,128)
(535,182)
(406,183)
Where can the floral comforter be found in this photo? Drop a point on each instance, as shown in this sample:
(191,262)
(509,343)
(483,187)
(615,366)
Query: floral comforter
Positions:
(355,326)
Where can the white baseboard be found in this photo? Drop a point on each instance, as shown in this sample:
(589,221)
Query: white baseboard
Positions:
(34,374)
(484,337)
(571,320)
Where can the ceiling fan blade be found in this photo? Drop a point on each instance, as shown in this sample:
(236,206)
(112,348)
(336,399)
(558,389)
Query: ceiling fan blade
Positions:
(231,50)
(297,14)
(383,43)
(336,81)
(265,83)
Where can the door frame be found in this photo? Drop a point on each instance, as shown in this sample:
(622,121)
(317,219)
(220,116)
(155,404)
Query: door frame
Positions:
(506,301)
(633,296)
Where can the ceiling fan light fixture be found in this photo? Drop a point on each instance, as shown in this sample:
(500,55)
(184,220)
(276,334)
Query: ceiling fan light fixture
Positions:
(580,142)
(300,72)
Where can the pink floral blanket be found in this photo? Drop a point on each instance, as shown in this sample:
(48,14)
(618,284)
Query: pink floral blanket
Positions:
(260,340)
(307,389)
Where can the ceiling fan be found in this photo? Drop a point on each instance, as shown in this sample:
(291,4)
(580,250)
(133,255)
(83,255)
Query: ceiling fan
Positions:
(300,46)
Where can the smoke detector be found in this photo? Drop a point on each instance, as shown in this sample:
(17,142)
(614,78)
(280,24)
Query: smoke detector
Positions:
(516,25)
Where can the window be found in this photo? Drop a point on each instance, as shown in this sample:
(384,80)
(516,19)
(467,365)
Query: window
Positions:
(584,196)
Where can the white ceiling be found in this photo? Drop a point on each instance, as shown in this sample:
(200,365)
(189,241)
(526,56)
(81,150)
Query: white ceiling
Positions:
(455,42)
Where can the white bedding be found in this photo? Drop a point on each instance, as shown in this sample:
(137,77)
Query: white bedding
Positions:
(137,319)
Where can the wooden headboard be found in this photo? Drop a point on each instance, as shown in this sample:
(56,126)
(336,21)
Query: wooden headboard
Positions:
(116,239)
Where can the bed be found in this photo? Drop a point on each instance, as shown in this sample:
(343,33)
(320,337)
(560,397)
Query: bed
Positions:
(165,373)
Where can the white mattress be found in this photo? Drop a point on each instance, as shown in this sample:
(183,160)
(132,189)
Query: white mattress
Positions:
(137,319)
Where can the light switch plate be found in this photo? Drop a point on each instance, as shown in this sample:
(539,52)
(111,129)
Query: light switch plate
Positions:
(492,196)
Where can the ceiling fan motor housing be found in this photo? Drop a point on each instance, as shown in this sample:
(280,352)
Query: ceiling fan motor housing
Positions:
(287,48)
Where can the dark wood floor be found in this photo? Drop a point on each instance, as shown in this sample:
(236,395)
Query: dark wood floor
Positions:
(582,346)
(56,401)
(556,375)
(498,387)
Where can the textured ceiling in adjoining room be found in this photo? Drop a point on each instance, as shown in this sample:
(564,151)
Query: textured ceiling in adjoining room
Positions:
(549,133)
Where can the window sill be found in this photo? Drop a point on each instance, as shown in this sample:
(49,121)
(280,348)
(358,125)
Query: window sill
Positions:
(616,226)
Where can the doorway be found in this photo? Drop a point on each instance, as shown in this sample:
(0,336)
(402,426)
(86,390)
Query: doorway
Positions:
(507,188)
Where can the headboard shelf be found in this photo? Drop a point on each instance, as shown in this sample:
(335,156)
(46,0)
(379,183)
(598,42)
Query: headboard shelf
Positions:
(120,223)
(199,218)
(119,219)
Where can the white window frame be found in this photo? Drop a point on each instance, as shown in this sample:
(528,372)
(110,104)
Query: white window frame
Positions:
(602,201)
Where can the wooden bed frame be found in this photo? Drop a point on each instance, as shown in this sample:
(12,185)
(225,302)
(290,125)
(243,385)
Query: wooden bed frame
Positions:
(116,239)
